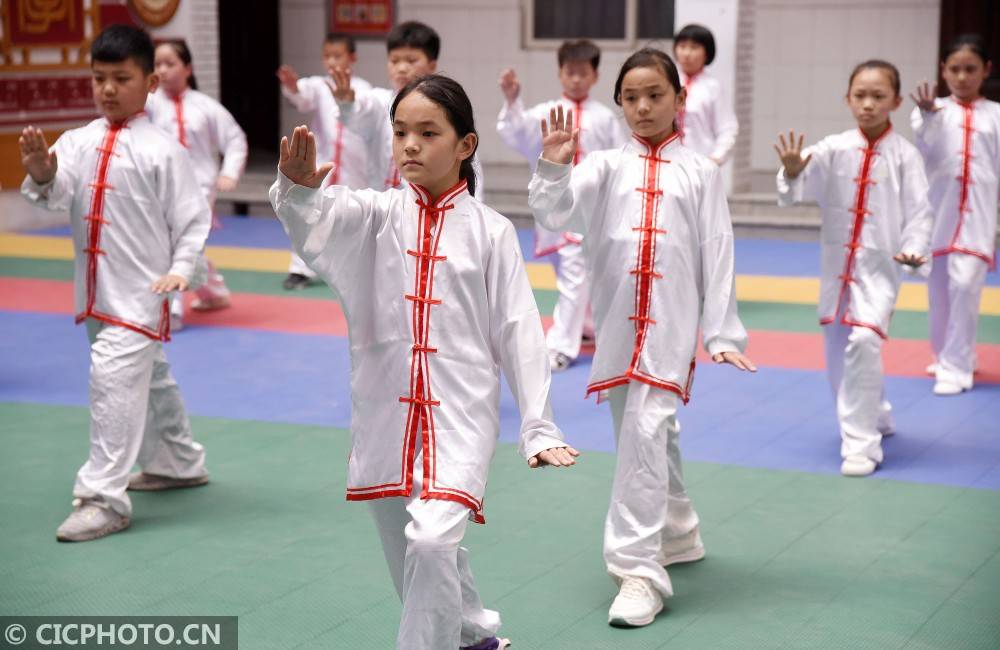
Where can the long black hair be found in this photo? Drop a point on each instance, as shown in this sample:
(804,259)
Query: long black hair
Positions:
(183,52)
(450,96)
(648,57)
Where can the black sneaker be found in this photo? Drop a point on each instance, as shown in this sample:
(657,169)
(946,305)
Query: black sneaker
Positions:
(296,281)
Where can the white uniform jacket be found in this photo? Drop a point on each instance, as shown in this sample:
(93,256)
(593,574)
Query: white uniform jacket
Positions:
(960,144)
(206,129)
(437,301)
(659,246)
(873,201)
(520,130)
(136,213)
(707,123)
(334,142)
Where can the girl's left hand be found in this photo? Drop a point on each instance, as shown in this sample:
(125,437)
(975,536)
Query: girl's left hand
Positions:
(557,457)
(910,259)
(737,359)
(559,138)
(169,283)
(225,184)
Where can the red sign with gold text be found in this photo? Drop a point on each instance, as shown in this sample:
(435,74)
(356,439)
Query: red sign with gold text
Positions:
(44,22)
(361,17)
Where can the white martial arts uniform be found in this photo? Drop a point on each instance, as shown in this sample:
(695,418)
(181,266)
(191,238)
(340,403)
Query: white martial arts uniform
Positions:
(437,302)
(707,123)
(600,129)
(659,246)
(207,130)
(137,214)
(334,142)
(960,144)
(873,201)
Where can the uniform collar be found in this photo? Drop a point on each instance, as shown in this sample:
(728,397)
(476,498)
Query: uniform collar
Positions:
(454,192)
(647,148)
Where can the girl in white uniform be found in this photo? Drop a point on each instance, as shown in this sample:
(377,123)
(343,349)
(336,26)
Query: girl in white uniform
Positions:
(437,302)
(334,143)
(659,246)
(600,129)
(207,130)
(872,191)
(707,122)
(959,138)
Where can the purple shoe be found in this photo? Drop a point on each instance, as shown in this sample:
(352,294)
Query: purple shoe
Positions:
(492,643)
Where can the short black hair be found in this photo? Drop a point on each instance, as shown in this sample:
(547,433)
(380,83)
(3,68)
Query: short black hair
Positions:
(877,64)
(700,35)
(336,37)
(117,43)
(416,35)
(972,42)
(649,57)
(581,50)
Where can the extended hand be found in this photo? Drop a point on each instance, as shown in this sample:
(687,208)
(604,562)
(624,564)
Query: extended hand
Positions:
(298,159)
(924,99)
(342,91)
(169,283)
(737,359)
(289,78)
(557,457)
(791,154)
(225,184)
(40,164)
(559,138)
(910,259)
(509,85)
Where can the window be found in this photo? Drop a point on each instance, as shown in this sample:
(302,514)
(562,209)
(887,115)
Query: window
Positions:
(611,23)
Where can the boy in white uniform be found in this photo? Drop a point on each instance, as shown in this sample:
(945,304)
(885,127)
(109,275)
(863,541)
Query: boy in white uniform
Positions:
(600,128)
(139,224)
(334,143)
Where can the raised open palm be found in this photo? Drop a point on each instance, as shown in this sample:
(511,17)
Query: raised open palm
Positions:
(297,159)
(35,155)
(559,139)
(924,98)
(790,153)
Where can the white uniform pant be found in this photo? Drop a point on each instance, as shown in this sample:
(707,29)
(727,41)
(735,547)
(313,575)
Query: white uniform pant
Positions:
(571,311)
(297,265)
(854,368)
(136,415)
(649,504)
(955,287)
(207,283)
(420,539)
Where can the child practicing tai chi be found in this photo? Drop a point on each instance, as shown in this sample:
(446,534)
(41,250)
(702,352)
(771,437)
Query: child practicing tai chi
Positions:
(659,248)
(344,148)
(959,138)
(139,223)
(206,129)
(872,193)
(707,123)
(600,129)
(437,302)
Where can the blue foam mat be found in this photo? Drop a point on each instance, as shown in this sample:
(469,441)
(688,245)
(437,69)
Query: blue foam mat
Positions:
(778,418)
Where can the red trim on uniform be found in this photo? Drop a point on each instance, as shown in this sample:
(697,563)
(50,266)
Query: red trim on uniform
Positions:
(860,211)
(681,113)
(965,180)
(420,399)
(179,114)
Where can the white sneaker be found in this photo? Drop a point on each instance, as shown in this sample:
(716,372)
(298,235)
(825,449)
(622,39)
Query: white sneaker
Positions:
(945,387)
(90,520)
(857,465)
(931,369)
(683,549)
(637,604)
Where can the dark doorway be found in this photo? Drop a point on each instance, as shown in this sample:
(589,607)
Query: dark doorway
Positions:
(976,16)
(249,53)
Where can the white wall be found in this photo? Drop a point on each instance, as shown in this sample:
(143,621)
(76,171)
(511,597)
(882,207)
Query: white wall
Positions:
(804,53)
